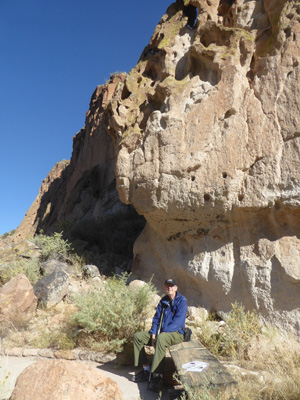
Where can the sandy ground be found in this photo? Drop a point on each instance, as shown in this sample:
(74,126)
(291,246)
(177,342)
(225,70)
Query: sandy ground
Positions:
(11,367)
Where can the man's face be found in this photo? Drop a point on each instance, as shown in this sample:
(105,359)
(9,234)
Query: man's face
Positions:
(171,290)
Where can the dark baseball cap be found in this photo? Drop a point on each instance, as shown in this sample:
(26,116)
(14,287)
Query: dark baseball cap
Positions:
(170,282)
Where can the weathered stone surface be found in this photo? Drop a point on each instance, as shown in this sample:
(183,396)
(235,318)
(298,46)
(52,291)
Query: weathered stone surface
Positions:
(206,132)
(197,314)
(90,271)
(138,284)
(43,206)
(50,266)
(83,189)
(64,380)
(17,301)
(51,289)
(208,151)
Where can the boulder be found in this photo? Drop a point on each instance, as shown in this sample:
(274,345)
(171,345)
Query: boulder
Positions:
(51,289)
(136,284)
(90,271)
(50,266)
(17,300)
(197,314)
(64,380)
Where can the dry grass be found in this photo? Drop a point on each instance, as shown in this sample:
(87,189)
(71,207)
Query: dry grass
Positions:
(48,329)
(266,362)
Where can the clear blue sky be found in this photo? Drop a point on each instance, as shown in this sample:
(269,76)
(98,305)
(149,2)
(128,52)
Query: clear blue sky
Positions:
(53,54)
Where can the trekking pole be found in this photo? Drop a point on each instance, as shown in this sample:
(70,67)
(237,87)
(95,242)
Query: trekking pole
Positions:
(158,332)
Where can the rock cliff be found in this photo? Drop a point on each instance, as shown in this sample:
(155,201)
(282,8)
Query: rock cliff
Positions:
(79,197)
(206,134)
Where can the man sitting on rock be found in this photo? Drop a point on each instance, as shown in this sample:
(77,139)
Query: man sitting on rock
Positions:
(167,329)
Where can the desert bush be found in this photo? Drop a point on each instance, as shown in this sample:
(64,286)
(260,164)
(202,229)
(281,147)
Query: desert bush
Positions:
(59,338)
(112,313)
(53,246)
(234,338)
(28,267)
(271,357)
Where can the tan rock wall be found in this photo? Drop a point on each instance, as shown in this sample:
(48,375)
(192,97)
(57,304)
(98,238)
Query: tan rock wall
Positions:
(207,141)
(207,134)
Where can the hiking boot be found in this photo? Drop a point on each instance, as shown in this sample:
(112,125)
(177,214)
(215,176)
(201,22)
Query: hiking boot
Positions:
(141,376)
(157,384)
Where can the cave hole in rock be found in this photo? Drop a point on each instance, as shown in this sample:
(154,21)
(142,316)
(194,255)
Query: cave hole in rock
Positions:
(145,110)
(287,32)
(192,13)
(241,197)
(150,72)
(214,34)
(250,74)
(163,123)
(207,197)
(224,7)
(224,175)
(156,101)
(125,92)
(193,178)
(205,68)
(229,113)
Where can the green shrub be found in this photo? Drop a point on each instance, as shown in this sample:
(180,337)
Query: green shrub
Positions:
(241,327)
(235,337)
(53,246)
(111,314)
(28,267)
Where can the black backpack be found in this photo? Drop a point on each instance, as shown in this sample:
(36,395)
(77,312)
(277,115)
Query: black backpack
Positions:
(187,333)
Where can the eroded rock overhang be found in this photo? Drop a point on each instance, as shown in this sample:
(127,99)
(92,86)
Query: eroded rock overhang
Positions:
(206,128)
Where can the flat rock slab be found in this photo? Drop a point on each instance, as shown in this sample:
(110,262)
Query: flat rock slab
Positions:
(196,366)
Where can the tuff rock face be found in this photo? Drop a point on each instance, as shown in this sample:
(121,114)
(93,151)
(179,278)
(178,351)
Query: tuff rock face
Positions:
(79,197)
(207,141)
(83,188)
(206,127)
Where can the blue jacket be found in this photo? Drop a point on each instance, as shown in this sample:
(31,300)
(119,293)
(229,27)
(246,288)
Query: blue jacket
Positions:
(173,318)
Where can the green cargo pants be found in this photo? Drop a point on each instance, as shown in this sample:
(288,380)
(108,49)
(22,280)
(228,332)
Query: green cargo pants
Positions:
(163,340)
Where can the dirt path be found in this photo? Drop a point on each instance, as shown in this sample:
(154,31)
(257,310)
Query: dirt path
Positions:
(11,367)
